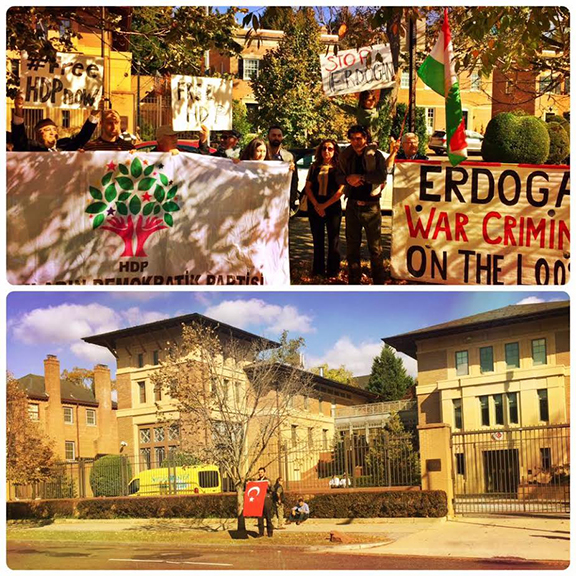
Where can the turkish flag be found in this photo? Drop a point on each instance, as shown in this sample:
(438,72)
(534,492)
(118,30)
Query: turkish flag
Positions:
(254,498)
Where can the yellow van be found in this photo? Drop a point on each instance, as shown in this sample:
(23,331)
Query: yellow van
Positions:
(202,479)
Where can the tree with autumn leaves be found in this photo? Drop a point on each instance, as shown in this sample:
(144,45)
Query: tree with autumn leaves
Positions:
(29,454)
(122,203)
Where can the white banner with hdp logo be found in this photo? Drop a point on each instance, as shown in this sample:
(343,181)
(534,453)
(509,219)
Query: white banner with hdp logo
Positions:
(115,218)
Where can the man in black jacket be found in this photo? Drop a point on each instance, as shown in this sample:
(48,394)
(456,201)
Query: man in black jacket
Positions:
(46,133)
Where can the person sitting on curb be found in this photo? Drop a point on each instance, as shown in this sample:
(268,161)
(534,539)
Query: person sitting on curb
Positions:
(299,513)
(334,482)
(345,481)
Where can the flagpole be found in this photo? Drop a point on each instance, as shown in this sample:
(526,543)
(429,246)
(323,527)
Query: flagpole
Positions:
(412,73)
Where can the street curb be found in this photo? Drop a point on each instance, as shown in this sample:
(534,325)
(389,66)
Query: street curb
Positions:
(348,546)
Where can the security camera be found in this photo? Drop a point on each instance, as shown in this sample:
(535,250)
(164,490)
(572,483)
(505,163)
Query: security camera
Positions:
(123,443)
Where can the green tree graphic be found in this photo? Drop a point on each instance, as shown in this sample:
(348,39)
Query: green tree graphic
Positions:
(124,205)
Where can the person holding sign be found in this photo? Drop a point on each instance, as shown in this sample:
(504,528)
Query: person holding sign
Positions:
(228,147)
(364,176)
(325,209)
(278,152)
(110,134)
(46,133)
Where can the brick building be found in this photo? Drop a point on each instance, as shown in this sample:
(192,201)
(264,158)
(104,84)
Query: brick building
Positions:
(81,424)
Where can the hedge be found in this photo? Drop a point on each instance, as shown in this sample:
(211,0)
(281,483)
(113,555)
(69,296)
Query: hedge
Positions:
(559,143)
(344,504)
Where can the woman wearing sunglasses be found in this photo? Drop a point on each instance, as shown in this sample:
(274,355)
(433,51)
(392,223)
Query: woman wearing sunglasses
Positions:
(324,208)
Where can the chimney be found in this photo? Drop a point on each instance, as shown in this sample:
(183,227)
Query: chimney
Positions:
(102,386)
(106,421)
(321,371)
(52,378)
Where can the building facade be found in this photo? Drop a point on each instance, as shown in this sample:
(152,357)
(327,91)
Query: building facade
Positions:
(81,424)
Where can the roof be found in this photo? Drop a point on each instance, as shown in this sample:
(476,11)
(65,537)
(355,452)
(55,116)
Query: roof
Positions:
(70,392)
(318,381)
(514,314)
(362,381)
(109,339)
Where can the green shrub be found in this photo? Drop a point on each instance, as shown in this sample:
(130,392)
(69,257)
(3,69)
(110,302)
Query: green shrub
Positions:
(515,138)
(420,128)
(110,476)
(559,143)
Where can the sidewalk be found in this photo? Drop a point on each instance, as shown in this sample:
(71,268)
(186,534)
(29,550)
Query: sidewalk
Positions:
(527,538)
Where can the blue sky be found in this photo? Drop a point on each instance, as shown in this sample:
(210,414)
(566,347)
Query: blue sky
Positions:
(339,327)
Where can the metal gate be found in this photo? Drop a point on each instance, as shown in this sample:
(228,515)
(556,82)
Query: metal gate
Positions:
(524,469)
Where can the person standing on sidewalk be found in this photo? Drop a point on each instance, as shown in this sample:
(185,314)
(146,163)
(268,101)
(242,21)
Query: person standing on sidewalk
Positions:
(278,500)
(267,511)
(364,175)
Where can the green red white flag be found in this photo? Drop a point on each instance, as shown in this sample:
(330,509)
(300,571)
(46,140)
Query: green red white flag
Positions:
(438,72)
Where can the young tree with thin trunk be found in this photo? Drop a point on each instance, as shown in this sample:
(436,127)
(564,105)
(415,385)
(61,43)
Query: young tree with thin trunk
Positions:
(232,400)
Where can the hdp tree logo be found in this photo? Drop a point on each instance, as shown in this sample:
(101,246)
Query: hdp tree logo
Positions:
(124,195)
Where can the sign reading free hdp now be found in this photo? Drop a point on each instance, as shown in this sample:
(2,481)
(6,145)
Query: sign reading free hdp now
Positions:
(481,223)
(72,81)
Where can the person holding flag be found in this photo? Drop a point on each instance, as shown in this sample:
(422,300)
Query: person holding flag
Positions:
(258,502)
(438,73)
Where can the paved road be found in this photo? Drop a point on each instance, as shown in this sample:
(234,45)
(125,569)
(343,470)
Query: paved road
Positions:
(149,556)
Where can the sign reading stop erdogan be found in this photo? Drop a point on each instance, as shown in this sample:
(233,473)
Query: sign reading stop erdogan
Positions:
(254,498)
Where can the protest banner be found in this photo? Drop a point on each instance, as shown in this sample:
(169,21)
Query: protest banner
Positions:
(147,218)
(197,101)
(71,82)
(351,71)
(481,223)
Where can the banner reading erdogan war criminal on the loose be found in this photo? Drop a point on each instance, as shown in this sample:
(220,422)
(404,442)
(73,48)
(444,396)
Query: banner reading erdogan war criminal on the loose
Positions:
(481,223)
(115,218)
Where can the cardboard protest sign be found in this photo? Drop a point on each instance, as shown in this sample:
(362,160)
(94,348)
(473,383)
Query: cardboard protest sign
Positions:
(197,101)
(117,218)
(481,223)
(72,82)
(350,71)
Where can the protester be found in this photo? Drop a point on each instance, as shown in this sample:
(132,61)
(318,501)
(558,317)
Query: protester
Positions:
(324,207)
(46,133)
(128,136)
(409,148)
(299,513)
(267,511)
(345,481)
(166,140)
(277,152)
(109,138)
(278,500)
(367,111)
(334,482)
(364,176)
(256,150)
(228,146)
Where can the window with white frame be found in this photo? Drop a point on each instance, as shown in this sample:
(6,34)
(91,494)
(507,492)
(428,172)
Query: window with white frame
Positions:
(251,66)
(475,81)
(90,417)
(68,415)
(70,450)
(405,81)
(34,412)
(430,120)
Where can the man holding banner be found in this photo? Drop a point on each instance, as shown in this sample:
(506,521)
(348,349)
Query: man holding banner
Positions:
(258,502)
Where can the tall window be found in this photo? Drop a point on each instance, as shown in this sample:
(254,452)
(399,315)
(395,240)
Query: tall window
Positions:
(324,439)
(499,408)
(486,359)
(65,118)
(140,360)
(512,407)
(145,458)
(460,464)
(545,459)
(251,68)
(34,412)
(70,450)
(306,403)
(157,393)
(405,81)
(512,353)
(539,351)
(457,403)
(333,409)
(155,357)
(543,405)
(475,81)
(485,410)
(430,120)
(310,437)
(159,454)
(156,441)
(320,406)
(294,429)
(68,415)
(462,363)
(142,392)
(90,417)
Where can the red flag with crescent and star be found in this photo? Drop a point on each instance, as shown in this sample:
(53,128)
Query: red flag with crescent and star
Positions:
(254,498)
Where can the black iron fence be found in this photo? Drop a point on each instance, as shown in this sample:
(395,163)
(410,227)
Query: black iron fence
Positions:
(352,462)
(525,469)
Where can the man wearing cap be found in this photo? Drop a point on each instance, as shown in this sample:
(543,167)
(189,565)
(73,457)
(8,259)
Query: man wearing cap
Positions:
(227,148)
(109,134)
(46,133)
(166,140)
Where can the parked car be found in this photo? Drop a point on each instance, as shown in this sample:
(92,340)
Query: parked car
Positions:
(303,164)
(438,142)
(183,146)
(202,479)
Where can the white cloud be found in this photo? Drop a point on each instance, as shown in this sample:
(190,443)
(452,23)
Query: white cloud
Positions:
(531,300)
(134,316)
(139,296)
(94,354)
(65,323)
(357,357)
(243,313)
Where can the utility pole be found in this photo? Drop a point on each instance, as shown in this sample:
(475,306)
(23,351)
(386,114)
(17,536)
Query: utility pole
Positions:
(206,52)
(411,27)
